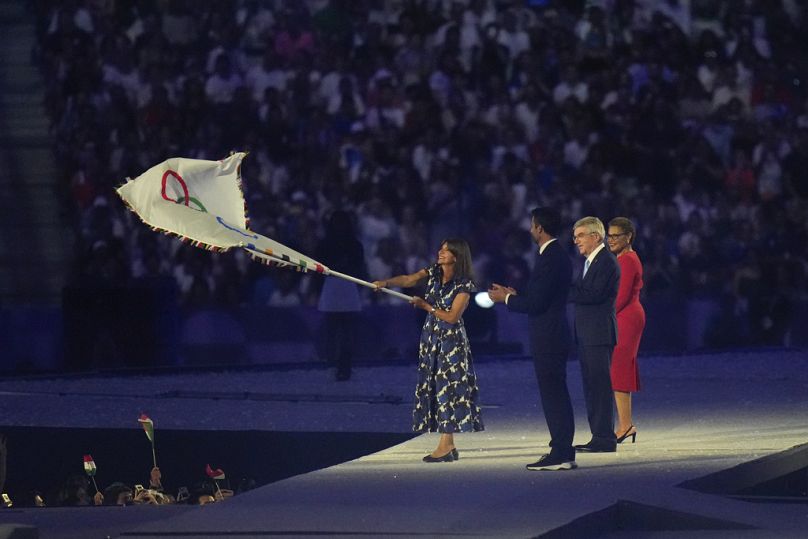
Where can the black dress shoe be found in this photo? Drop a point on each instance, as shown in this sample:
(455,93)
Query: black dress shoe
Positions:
(595,448)
(552,463)
(448,457)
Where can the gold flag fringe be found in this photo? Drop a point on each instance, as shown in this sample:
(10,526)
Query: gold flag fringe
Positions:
(214,248)
(186,239)
(183,239)
(240,185)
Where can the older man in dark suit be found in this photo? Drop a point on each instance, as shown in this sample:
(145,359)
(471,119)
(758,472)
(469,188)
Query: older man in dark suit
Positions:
(544,301)
(596,330)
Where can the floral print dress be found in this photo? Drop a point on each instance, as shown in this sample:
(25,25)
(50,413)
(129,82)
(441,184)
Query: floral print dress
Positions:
(446,397)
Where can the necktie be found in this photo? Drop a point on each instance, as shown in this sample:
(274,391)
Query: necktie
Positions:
(586,267)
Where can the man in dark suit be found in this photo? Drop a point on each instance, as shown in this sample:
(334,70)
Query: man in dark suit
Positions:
(596,330)
(545,302)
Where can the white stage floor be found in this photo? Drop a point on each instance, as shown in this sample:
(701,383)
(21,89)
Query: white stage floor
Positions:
(696,415)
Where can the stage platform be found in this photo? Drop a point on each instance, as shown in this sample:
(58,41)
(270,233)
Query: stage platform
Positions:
(718,454)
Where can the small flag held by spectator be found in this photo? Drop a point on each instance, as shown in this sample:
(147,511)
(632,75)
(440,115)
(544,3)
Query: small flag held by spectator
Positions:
(218,473)
(90,469)
(148,428)
(89,465)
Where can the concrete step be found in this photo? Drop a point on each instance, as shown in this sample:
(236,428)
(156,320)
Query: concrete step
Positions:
(19,32)
(33,270)
(20,133)
(20,100)
(13,69)
(44,174)
(17,55)
(23,224)
(37,141)
(33,174)
(40,178)
(33,244)
(25,139)
(36,210)
(28,209)
(23,103)
(25,117)
(21,83)
(57,232)
(37,260)
(44,180)
(37,242)
(34,154)
(31,183)
(31,295)
(7,281)
(12,12)
(22,122)
(33,111)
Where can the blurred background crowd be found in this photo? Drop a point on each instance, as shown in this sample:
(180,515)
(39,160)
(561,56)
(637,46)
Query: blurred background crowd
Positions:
(436,118)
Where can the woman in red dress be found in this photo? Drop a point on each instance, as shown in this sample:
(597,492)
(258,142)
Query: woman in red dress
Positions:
(630,324)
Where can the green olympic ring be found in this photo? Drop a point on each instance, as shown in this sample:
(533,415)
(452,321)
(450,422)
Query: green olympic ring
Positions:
(181,200)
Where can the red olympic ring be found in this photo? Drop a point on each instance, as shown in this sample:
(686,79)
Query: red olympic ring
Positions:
(166,174)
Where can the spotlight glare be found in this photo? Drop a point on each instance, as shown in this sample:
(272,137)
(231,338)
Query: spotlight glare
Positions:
(482,300)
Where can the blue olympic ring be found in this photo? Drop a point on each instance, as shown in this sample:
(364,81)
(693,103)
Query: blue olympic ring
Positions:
(221,222)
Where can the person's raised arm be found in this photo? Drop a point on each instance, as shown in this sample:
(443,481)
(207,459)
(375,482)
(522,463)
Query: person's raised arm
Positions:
(402,281)
(155,479)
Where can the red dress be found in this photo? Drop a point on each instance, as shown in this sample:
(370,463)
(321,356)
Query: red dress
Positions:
(630,323)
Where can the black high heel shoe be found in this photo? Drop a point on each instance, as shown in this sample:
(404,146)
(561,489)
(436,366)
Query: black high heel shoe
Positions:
(448,457)
(455,454)
(633,435)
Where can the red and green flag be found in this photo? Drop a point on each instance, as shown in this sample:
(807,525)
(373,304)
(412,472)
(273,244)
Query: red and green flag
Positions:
(217,473)
(90,469)
(148,428)
(89,465)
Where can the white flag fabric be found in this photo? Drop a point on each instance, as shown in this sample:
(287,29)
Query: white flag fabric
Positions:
(206,186)
(202,201)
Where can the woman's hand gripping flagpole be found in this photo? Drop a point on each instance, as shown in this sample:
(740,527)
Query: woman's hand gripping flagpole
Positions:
(394,293)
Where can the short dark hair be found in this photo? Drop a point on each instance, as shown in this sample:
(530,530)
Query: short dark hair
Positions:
(460,249)
(548,218)
(625,224)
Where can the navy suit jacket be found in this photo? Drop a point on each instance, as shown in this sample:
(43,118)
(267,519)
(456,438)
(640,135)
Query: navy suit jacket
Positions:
(545,301)
(593,296)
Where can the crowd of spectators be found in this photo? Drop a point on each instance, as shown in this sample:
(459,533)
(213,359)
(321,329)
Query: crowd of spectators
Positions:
(79,489)
(435,118)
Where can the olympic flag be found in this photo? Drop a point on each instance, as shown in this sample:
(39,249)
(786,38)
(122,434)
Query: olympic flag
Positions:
(202,202)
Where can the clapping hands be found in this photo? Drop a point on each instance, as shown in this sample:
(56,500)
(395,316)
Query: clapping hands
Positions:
(498,293)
